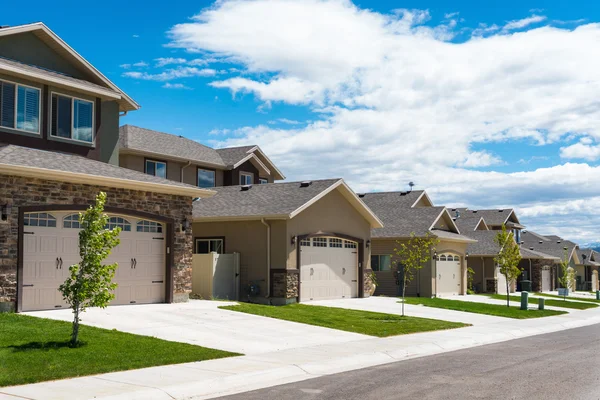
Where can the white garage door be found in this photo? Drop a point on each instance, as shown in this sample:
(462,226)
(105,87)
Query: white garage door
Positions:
(50,246)
(448,275)
(329,269)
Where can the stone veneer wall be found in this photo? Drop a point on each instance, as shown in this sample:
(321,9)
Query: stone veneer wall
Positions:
(20,191)
(368,284)
(285,283)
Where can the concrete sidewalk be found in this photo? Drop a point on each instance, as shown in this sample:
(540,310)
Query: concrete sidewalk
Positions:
(214,378)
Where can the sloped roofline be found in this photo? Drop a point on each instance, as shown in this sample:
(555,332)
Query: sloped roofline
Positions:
(424,194)
(444,211)
(132,105)
(262,154)
(352,198)
(487,228)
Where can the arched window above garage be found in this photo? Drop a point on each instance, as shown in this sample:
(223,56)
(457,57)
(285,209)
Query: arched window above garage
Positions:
(71,221)
(39,219)
(118,222)
(149,226)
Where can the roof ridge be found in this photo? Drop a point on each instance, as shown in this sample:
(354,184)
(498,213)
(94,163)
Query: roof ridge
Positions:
(396,191)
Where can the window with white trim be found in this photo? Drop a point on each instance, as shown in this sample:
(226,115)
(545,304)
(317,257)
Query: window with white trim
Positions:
(20,107)
(156,168)
(206,178)
(72,118)
(71,221)
(334,242)
(39,219)
(149,226)
(319,242)
(348,244)
(206,246)
(381,262)
(262,181)
(118,222)
(305,242)
(246,178)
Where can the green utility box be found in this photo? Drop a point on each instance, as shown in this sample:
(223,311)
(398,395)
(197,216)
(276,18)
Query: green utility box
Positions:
(524,300)
(597,294)
(541,303)
(525,286)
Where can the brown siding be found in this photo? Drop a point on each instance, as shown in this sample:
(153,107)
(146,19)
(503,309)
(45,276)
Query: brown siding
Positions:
(232,177)
(20,192)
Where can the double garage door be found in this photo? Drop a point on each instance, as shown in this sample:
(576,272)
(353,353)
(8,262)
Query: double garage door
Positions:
(329,269)
(51,245)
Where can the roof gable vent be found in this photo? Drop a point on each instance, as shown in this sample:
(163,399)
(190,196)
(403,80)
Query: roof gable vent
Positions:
(305,184)
(245,188)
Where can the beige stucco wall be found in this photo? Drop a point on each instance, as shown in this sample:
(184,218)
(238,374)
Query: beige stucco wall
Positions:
(137,163)
(333,213)
(423,283)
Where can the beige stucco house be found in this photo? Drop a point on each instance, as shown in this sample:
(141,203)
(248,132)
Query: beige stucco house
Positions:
(297,241)
(402,214)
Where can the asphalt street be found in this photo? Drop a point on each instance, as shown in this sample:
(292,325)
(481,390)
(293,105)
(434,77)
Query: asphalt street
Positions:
(561,365)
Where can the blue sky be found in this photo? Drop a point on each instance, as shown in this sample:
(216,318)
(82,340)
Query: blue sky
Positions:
(484,103)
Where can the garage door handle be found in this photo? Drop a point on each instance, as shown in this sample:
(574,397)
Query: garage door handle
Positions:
(131,263)
(57,262)
(61,263)
(135,263)
(31,285)
(354,280)
(158,281)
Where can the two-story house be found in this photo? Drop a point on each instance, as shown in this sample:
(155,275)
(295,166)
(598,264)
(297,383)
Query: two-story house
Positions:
(59,147)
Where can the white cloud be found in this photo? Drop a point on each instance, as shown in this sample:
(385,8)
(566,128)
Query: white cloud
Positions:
(169,85)
(135,36)
(162,61)
(140,64)
(522,23)
(394,102)
(585,149)
(169,74)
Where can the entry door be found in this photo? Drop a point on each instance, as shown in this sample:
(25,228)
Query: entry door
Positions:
(329,269)
(546,281)
(449,275)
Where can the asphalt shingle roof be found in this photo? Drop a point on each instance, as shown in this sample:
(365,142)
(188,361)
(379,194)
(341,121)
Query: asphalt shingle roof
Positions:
(51,160)
(232,155)
(494,217)
(467,220)
(149,141)
(486,246)
(259,200)
(552,245)
(50,73)
(400,220)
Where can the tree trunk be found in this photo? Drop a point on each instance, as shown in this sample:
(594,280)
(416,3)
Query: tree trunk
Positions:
(507,294)
(75,333)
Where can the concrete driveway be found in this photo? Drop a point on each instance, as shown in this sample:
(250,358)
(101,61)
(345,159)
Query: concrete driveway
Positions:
(202,323)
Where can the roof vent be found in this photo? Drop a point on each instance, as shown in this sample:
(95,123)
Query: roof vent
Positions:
(361,195)
(4,26)
(457,215)
(531,248)
(500,210)
(540,242)
(403,193)
(305,184)
(558,241)
(474,211)
(245,188)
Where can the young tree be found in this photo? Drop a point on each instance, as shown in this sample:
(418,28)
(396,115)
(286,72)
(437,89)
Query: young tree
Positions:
(90,283)
(411,256)
(567,277)
(508,258)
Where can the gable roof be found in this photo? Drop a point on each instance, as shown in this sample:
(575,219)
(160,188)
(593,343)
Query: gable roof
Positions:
(233,157)
(159,144)
(487,247)
(496,217)
(400,219)
(274,201)
(552,245)
(466,220)
(46,35)
(33,163)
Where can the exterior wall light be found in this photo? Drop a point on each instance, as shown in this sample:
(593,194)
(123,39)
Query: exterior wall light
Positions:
(6,210)
(368,243)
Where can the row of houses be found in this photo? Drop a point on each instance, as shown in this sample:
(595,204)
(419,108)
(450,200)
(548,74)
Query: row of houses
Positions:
(202,221)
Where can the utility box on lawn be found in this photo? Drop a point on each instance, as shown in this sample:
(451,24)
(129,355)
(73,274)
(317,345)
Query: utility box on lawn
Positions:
(524,300)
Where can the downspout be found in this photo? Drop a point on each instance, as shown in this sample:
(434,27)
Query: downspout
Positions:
(181,173)
(483,284)
(436,275)
(124,114)
(262,220)
(530,277)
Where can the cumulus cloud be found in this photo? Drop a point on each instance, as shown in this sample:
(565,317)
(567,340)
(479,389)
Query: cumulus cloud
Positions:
(395,101)
(585,149)
(162,61)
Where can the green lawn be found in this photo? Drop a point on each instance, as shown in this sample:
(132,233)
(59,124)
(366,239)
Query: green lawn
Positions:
(548,302)
(365,322)
(35,349)
(554,296)
(481,308)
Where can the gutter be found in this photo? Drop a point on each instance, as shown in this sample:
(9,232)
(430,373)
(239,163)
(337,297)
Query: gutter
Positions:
(262,221)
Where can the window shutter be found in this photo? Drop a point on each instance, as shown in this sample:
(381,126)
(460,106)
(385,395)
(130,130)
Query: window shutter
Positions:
(7,105)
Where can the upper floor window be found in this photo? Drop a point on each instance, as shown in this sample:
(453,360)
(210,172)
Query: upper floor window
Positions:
(263,181)
(246,178)
(72,118)
(206,178)
(156,168)
(19,107)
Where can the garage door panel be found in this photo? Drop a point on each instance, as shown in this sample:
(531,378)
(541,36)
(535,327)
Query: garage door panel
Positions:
(449,278)
(43,245)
